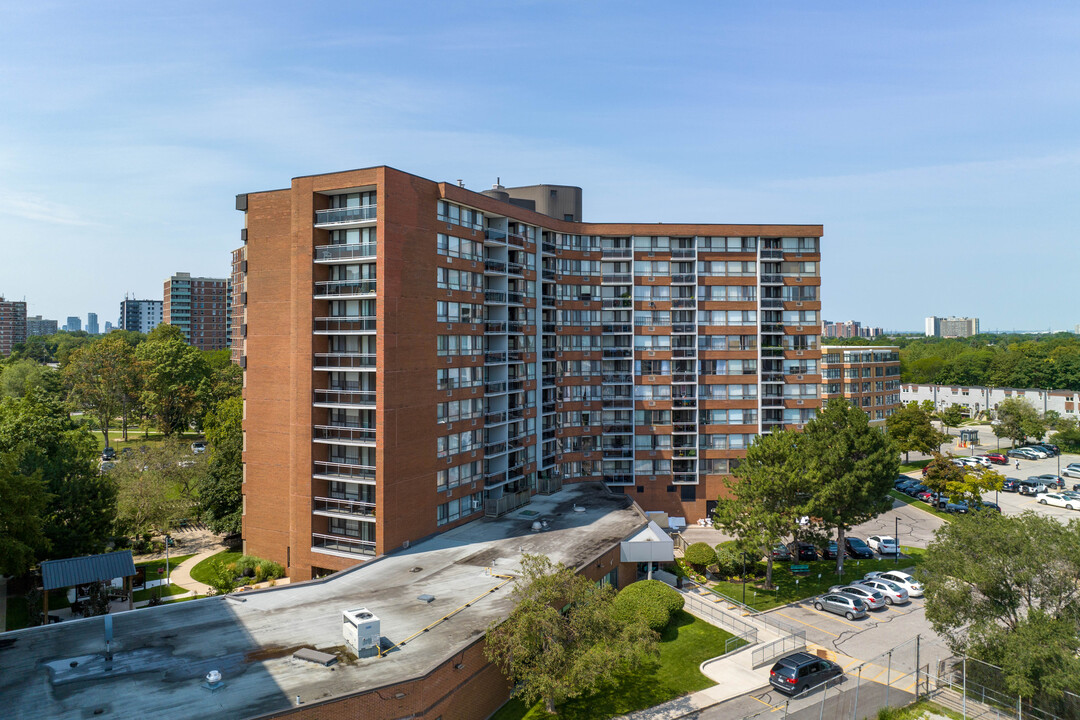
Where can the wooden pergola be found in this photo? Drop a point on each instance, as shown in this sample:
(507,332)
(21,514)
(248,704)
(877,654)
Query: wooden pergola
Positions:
(71,572)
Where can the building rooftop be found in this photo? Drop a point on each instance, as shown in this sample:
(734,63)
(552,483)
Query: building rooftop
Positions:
(162,655)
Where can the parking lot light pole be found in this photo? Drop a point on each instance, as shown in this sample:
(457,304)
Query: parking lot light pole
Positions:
(896,555)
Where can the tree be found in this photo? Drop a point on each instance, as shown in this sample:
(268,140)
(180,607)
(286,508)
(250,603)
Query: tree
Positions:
(997,586)
(219,489)
(20,376)
(564,637)
(851,467)
(25,501)
(102,376)
(767,495)
(910,428)
(41,435)
(172,372)
(155,487)
(1017,419)
(1067,435)
(960,484)
(951,417)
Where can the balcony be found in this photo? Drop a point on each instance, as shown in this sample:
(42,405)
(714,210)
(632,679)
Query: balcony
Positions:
(494,266)
(772,280)
(494,388)
(335,507)
(775,303)
(344,361)
(344,398)
(493,296)
(684,279)
(619,479)
(343,435)
(617,279)
(773,328)
(617,328)
(356,325)
(618,352)
(340,253)
(684,303)
(495,448)
(327,470)
(494,357)
(513,268)
(498,507)
(333,217)
(684,328)
(772,402)
(683,253)
(334,545)
(344,289)
(548,484)
(617,379)
(617,253)
(491,328)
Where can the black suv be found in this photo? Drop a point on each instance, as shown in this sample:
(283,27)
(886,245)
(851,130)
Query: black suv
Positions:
(802,550)
(856,548)
(797,672)
(108,454)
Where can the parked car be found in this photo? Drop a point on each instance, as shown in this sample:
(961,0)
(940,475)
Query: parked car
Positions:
(829,551)
(893,593)
(914,490)
(904,479)
(780,552)
(873,599)
(856,548)
(199,446)
(1032,487)
(980,460)
(996,458)
(884,544)
(928,496)
(1058,500)
(1048,447)
(986,505)
(106,466)
(849,606)
(1051,480)
(1072,470)
(914,587)
(904,487)
(108,454)
(957,508)
(1038,451)
(1011,484)
(800,671)
(803,550)
(1022,453)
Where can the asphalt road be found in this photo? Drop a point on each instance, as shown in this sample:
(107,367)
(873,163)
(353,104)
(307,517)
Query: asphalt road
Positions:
(838,701)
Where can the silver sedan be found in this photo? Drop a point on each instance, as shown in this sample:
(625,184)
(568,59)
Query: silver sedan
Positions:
(874,600)
(893,593)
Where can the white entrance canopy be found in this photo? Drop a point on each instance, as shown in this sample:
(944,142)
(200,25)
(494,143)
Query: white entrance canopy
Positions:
(649,545)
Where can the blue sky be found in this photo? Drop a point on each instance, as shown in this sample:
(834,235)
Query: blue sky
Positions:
(938,143)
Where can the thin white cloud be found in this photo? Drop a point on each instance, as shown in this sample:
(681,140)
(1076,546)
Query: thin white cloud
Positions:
(38,209)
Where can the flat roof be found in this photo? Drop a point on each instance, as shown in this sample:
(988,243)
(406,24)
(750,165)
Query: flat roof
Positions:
(161,655)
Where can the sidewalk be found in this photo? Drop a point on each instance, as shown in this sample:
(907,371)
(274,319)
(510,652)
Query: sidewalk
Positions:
(181,575)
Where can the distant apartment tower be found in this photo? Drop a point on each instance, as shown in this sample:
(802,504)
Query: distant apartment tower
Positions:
(238,297)
(867,376)
(418,356)
(74,323)
(200,307)
(108,326)
(37,325)
(140,315)
(849,329)
(12,325)
(951,327)
(92,323)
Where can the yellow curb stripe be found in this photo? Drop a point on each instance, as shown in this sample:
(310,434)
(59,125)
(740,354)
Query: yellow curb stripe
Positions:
(808,624)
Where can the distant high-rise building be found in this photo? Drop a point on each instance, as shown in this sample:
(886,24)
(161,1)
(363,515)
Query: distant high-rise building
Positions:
(74,323)
(200,307)
(12,324)
(849,329)
(951,327)
(91,323)
(140,315)
(108,327)
(37,325)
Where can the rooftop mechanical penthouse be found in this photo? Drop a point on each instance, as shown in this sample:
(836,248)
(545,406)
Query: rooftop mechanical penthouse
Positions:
(419,355)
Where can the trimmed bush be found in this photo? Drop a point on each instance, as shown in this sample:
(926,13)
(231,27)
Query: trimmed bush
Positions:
(700,555)
(727,560)
(652,601)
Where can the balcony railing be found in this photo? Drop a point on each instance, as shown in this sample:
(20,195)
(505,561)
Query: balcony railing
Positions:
(494,327)
(684,303)
(619,479)
(494,388)
(684,328)
(332,253)
(494,266)
(772,303)
(344,325)
(617,253)
(617,278)
(677,253)
(494,296)
(507,503)
(772,279)
(345,361)
(495,357)
(336,506)
(345,471)
(618,352)
(345,397)
(344,434)
(617,328)
(345,288)
(333,543)
(683,279)
(772,254)
(344,216)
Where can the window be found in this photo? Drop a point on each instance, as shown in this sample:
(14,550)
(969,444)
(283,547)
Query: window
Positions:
(459,247)
(459,215)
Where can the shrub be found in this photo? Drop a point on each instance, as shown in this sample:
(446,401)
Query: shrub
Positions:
(727,560)
(651,601)
(700,555)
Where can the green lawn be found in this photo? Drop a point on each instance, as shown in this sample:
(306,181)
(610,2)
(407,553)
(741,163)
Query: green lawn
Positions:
(920,504)
(685,643)
(201,572)
(791,587)
(913,466)
(166,591)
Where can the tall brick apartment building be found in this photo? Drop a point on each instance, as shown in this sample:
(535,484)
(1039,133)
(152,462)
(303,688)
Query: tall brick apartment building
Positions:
(12,325)
(867,376)
(419,355)
(201,307)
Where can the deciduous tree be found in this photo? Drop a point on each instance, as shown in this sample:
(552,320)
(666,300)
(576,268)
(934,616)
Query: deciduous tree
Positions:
(102,378)
(1017,419)
(155,486)
(951,417)
(850,466)
(910,428)
(219,488)
(172,372)
(564,638)
(23,502)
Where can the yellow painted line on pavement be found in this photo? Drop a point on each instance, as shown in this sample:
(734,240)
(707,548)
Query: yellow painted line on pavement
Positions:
(808,624)
(836,618)
(761,701)
(853,661)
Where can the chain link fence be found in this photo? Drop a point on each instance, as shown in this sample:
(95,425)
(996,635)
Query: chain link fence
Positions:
(977,689)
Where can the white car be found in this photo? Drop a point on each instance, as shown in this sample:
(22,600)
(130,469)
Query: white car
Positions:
(1037,452)
(980,460)
(884,544)
(914,587)
(1057,499)
(1072,470)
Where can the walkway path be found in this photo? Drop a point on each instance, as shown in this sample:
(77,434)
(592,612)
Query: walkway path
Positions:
(181,575)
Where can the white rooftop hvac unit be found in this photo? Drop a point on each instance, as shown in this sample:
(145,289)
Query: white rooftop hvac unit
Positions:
(362,631)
